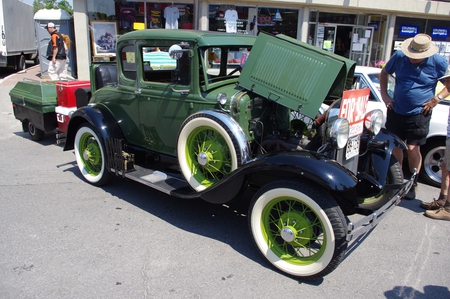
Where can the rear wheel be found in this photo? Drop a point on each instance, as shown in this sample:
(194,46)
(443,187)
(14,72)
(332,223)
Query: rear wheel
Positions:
(21,63)
(35,133)
(298,228)
(90,155)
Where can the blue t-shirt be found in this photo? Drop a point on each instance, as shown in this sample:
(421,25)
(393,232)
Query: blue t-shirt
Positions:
(415,84)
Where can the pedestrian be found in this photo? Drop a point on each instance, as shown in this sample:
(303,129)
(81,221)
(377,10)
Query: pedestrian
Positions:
(417,67)
(440,208)
(56,54)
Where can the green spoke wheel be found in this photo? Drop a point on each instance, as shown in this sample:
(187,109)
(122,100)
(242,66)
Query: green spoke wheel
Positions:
(298,228)
(208,150)
(90,155)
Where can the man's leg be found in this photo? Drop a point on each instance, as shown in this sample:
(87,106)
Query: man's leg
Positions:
(414,158)
(398,154)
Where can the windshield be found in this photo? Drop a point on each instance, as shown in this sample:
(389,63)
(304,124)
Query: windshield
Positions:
(222,63)
(375,78)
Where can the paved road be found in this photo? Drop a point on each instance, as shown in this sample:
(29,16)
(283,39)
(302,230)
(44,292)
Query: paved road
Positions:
(63,238)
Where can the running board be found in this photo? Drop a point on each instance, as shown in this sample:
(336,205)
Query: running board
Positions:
(160,181)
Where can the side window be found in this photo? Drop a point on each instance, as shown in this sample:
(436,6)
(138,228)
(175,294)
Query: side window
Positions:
(157,65)
(128,60)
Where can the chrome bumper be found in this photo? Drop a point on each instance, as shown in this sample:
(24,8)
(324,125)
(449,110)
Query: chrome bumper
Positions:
(356,229)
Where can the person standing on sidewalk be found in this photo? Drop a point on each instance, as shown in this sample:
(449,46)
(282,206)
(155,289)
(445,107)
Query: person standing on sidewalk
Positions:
(56,54)
(417,68)
(440,208)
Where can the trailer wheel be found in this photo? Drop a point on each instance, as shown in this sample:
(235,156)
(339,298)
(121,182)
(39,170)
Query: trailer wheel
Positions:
(299,228)
(35,133)
(90,155)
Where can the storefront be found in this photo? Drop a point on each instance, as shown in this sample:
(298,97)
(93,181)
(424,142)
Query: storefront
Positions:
(358,34)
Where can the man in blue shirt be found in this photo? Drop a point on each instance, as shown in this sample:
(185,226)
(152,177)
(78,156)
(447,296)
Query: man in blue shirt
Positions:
(417,68)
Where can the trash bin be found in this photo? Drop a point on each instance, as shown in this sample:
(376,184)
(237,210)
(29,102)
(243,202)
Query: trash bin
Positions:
(64,24)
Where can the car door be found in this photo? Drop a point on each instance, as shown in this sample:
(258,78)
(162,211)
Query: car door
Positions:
(164,95)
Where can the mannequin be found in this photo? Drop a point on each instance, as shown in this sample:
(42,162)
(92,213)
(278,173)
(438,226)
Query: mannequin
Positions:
(171,14)
(231,17)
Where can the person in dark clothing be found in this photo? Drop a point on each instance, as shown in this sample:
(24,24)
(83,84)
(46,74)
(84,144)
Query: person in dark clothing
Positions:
(56,54)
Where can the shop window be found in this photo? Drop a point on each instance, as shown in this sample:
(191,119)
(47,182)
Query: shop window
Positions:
(229,18)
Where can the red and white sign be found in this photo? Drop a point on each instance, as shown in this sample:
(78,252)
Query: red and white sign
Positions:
(353,108)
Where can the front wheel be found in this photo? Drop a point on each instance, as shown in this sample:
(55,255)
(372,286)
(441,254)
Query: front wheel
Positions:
(90,155)
(298,228)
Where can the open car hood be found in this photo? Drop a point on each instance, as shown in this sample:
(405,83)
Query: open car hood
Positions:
(295,74)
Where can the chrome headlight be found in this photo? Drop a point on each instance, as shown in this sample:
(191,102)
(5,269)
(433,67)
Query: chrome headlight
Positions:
(222,98)
(338,132)
(373,121)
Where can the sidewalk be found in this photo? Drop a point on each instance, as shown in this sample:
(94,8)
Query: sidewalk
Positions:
(31,73)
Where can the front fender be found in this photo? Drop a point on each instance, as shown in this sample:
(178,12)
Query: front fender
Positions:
(99,117)
(374,164)
(301,165)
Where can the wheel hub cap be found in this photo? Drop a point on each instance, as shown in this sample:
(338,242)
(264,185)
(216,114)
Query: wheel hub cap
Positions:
(287,234)
(202,159)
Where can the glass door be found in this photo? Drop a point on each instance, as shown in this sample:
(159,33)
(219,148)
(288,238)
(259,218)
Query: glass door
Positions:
(326,37)
(361,46)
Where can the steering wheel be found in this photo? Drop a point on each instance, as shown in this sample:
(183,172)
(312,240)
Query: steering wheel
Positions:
(235,70)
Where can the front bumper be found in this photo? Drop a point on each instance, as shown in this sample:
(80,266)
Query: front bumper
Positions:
(356,229)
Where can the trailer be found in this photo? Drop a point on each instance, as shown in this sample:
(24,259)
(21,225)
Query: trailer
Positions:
(18,36)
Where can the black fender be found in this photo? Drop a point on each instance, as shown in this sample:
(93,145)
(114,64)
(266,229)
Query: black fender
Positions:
(374,164)
(297,165)
(99,117)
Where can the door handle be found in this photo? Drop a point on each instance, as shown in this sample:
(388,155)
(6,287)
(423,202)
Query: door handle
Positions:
(139,91)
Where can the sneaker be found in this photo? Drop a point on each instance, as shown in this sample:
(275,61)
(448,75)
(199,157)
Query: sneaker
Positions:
(411,193)
(442,214)
(434,205)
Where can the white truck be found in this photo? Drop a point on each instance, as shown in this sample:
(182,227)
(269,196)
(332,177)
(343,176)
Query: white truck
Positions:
(18,35)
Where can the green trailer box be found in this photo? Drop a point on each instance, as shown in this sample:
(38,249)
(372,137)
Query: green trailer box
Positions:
(34,102)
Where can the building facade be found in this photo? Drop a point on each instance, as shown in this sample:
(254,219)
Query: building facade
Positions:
(357,29)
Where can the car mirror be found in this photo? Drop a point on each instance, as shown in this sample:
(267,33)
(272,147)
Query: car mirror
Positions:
(175,52)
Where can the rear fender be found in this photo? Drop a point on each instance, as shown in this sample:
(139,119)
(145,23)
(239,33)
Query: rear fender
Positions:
(99,117)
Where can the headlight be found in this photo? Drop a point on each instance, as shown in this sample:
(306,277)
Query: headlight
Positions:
(337,132)
(373,121)
(222,98)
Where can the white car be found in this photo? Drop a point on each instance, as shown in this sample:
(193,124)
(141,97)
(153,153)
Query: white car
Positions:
(433,150)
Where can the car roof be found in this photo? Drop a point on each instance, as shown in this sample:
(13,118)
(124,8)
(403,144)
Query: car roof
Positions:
(202,38)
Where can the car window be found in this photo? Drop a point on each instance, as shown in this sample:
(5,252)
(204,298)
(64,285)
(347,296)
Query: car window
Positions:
(128,61)
(157,65)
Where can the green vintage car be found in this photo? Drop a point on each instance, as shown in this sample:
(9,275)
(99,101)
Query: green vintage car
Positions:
(230,112)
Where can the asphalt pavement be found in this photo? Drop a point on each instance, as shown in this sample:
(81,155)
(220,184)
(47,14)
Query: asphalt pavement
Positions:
(61,237)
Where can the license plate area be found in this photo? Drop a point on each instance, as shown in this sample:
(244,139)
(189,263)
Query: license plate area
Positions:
(352,148)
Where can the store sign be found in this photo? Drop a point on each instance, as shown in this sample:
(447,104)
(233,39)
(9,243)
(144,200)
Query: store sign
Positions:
(408,30)
(374,25)
(439,32)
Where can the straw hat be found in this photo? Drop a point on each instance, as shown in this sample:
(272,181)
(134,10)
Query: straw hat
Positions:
(419,47)
(447,74)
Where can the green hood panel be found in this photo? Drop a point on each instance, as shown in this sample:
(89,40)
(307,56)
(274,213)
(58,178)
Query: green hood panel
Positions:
(295,74)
